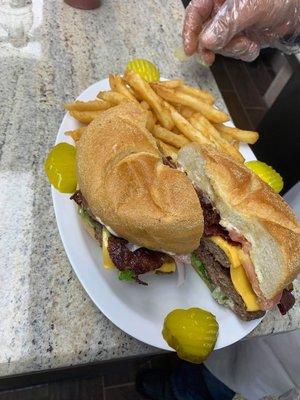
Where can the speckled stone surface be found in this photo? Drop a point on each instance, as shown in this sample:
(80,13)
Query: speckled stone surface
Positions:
(49,54)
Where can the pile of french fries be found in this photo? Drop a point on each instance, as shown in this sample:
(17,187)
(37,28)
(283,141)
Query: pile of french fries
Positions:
(177,114)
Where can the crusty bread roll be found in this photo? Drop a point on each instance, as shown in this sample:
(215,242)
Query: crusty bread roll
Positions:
(121,175)
(250,206)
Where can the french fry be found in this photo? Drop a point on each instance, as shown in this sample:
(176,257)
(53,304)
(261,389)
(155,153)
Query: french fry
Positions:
(76,134)
(206,128)
(176,130)
(145,91)
(150,121)
(186,128)
(227,137)
(93,105)
(169,137)
(134,94)
(238,134)
(174,83)
(167,149)
(186,112)
(199,93)
(118,85)
(85,116)
(114,98)
(211,113)
(236,144)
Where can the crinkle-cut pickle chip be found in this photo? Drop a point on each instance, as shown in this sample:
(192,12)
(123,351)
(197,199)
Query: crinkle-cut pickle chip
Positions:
(146,69)
(192,333)
(267,174)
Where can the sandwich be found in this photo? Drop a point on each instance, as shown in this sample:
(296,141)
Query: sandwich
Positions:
(150,213)
(249,253)
(140,209)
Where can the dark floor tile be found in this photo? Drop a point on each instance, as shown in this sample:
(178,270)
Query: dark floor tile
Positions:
(242,83)
(40,392)
(236,110)
(167,362)
(125,373)
(80,389)
(221,75)
(126,392)
(255,116)
(260,75)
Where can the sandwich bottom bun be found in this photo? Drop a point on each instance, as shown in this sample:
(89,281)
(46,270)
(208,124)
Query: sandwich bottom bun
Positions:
(248,205)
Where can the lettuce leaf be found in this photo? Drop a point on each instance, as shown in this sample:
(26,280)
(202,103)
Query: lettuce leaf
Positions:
(200,269)
(126,275)
(216,291)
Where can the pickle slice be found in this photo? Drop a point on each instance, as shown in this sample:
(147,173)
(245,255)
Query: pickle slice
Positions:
(146,69)
(267,174)
(192,333)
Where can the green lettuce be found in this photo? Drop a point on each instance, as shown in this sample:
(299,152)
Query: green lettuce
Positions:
(216,291)
(126,275)
(200,269)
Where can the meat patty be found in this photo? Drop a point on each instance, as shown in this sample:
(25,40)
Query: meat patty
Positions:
(139,261)
(212,219)
(216,265)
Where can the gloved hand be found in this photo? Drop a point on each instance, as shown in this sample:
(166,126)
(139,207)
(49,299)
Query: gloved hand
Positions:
(239,28)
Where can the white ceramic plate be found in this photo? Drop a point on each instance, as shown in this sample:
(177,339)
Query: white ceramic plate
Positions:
(136,309)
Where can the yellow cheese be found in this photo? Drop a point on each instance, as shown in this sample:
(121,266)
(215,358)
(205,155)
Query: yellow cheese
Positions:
(242,285)
(237,273)
(167,268)
(107,261)
(230,251)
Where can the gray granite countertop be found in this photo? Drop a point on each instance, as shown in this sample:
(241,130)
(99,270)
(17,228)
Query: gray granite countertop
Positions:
(49,54)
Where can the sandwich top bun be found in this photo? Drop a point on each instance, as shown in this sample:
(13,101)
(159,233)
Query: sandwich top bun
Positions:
(250,206)
(126,185)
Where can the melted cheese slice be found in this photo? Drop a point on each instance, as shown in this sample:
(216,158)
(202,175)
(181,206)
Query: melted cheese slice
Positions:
(238,275)
(107,261)
(166,268)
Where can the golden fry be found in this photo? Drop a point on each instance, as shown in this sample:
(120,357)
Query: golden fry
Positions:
(145,91)
(212,114)
(226,136)
(174,83)
(118,85)
(167,149)
(207,129)
(76,134)
(201,94)
(169,137)
(238,134)
(176,130)
(93,105)
(186,128)
(150,121)
(114,98)
(186,112)
(85,116)
(236,144)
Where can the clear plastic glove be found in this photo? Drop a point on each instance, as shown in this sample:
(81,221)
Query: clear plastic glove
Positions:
(240,28)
